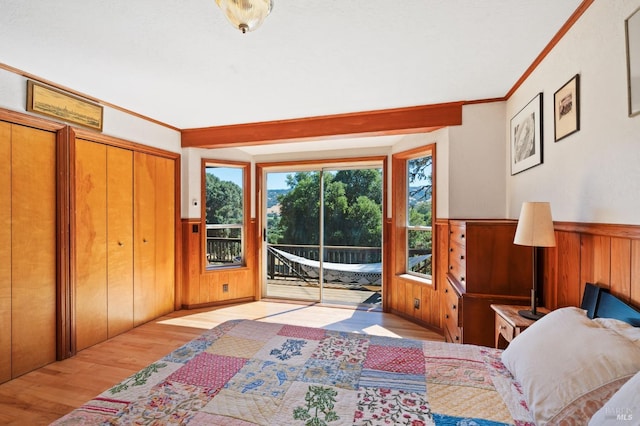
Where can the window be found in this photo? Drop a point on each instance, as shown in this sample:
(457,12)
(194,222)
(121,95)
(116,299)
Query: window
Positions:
(413,212)
(224,213)
(419,209)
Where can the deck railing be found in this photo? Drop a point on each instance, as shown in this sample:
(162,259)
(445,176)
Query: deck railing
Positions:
(226,251)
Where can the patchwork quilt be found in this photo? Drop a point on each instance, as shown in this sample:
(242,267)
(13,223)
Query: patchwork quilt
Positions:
(247,372)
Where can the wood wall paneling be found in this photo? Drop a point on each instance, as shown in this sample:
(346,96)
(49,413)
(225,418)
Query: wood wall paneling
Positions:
(635,272)
(5,251)
(191,233)
(90,217)
(547,273)
(620,275)
(605,254)
(33,248)
(595,260)
(120,240)
(567,281)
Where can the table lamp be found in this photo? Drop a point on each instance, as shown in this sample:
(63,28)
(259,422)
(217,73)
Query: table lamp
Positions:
(535,229)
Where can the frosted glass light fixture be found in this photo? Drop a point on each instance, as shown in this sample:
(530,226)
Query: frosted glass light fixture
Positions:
(246,15)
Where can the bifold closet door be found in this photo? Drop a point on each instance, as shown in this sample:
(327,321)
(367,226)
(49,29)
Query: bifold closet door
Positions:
(103,219)
(154,236)
(33,248)
(165,235)
(144,228)
(120,240)
(90,217)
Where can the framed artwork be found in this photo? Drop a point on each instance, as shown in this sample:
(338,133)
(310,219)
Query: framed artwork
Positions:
(526,136)
(63,106)
(566,108)
(632,30)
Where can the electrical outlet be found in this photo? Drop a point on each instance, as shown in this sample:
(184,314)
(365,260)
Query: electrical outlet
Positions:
(416,303)
(225,288)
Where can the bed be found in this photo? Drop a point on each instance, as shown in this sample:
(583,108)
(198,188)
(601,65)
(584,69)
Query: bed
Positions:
(245,372)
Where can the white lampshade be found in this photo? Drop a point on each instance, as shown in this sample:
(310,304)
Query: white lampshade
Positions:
(246,15)
(535,226)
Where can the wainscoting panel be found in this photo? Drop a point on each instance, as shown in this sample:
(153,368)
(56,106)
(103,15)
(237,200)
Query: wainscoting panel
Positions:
(604,254)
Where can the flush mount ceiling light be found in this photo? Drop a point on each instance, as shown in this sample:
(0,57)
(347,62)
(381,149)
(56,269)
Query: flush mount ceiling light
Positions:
(246,15)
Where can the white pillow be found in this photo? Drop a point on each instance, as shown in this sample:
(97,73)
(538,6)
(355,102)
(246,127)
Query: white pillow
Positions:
(624,328)
(569,365)
(622,408)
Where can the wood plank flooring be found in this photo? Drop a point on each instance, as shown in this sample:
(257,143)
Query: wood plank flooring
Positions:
(39,397)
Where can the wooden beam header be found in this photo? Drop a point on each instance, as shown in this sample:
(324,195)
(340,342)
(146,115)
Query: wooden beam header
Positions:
(369,123)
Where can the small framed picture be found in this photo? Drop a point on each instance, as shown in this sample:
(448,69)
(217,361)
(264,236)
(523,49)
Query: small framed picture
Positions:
(632,30)
(526,136)
(566,108)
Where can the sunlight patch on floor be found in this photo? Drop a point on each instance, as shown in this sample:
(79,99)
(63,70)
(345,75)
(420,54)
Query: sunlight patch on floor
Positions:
(286,313)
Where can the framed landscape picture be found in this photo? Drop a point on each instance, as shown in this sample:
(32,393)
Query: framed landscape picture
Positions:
(526,136)
(632,29)
(566,108)
(63,106)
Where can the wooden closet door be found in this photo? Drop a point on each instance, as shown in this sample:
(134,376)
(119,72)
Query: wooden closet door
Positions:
(144,300)
(5,251)
(165,235)
(33,249)
(120,240)
(90,217)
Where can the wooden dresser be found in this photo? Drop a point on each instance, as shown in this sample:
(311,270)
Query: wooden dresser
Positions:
(484,268)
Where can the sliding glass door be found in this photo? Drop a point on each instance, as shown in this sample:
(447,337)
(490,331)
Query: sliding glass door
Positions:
(292,235)
(324,235)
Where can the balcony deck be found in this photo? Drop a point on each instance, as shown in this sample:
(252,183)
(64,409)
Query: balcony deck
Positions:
(367,296)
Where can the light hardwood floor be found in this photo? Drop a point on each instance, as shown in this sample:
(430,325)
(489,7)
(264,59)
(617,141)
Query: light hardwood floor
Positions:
(48,393)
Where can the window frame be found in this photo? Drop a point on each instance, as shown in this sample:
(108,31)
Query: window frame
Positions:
(246,211)
(400,162)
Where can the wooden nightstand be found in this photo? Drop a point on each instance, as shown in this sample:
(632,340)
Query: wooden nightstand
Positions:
(509,323)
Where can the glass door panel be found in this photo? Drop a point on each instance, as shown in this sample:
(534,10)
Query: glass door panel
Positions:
(333,212)
(352,236)
(292,235)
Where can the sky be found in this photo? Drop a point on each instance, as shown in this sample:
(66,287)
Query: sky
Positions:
(234,174)
(274,180)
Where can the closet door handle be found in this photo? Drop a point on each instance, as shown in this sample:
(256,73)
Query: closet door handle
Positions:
(120,243)
(144,240)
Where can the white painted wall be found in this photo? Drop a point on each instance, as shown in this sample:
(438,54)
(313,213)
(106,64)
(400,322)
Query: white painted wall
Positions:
(13,96)
(191,169)
(590,176)
(470,164)
(594,174)
(441,139)
(476,165)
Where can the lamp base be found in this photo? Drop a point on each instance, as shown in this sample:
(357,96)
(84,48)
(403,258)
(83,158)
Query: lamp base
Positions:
(530,315)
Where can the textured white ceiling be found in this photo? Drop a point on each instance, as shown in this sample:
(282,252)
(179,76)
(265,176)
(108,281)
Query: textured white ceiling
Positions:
(180,62)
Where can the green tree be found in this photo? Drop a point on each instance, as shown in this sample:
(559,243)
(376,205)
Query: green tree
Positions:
(420,210)
(299,209)
(364,223)
(352,208)
(367,182)
(275,229)
(223,201)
